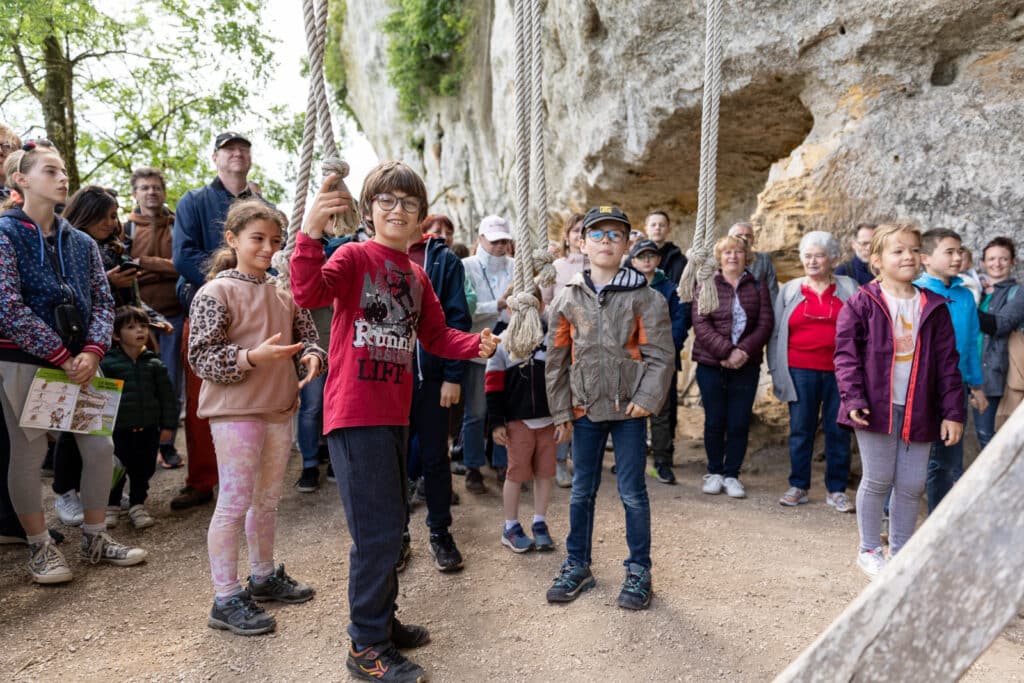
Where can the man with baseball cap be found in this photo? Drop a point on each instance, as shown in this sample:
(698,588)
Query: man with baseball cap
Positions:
(198,232)
(489,271)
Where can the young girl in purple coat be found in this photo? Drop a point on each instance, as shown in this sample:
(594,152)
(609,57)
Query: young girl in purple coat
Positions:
(899,386)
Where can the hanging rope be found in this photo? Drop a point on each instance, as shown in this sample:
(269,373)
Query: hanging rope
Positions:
(532,256)
(318,118)
(701,266)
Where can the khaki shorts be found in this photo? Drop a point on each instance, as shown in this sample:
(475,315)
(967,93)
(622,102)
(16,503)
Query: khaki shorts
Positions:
(531,452)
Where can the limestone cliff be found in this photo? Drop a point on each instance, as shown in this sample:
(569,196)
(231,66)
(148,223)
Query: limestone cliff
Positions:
(833,112)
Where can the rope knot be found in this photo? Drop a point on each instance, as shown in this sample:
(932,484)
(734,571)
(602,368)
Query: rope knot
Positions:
(522,302)
(543,261)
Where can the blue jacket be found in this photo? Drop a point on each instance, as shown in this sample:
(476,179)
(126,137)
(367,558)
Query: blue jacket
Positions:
(965,323)
(198,232)
(856,269)
(677,312)
(448,279)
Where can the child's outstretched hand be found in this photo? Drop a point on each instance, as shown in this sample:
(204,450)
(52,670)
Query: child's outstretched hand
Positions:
(312,363)
(951,432)
(633,410)
(860,416)
(488,343)
(325,206)
(270,350)
(563,432)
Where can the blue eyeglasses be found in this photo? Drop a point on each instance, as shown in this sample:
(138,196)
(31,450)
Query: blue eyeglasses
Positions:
(613,235)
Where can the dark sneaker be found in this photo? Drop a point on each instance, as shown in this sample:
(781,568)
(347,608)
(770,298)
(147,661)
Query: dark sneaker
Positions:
(458,469)
(190,498)
(408,636)
(403,556)
(572,580)
(636,589)
(475,481)
(309,482)
(663,473)
(542,540)
(383,663)
(241,615)
(96,548)
(516,540)
(280,587)
(330,473)
(447,557)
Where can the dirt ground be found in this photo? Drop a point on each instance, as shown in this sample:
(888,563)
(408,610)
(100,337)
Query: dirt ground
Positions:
(741,587)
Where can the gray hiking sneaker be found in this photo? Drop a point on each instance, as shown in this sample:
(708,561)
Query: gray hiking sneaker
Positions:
(281,587)
(47,565)
(102,548)
(636,589)
(572,580)
(241,615)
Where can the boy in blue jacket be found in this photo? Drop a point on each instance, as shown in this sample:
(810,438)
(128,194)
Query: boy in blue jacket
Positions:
(942,254)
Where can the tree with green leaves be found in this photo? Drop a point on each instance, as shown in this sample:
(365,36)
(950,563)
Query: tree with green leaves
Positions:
(119,84)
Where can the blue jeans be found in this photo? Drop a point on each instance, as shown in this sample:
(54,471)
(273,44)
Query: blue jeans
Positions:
(816,391)
(588,440)
(728,398)
(985,423)
(311,420)
(170,354)
(474,420)
(945,467)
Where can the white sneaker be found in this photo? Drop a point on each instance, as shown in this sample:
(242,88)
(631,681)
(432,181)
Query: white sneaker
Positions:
(712,484)
(140,517)
(47,564)
(562,476)
(69,508)
(871,561)
(733,488)
(112,516)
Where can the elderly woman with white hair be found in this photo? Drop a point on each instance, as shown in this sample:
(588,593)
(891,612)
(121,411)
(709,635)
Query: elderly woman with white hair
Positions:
(800,361)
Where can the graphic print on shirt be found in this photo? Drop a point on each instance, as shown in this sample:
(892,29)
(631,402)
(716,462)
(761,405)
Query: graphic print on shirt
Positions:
(904,337)
(390,304)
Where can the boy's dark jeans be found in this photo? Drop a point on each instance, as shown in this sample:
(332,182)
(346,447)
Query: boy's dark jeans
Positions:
(136,449)
(728,398)
(9,524)
(67,464)
(588,440)
(369,464)
(663,426)
(428,452)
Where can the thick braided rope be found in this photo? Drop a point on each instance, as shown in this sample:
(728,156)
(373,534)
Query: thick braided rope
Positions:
(542,258)
(701,266)
(524,329)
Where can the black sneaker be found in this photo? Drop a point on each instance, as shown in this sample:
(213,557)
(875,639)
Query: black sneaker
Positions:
(447,557)
(663,473)
(241,615)
(572,580)
(383,663)
(636,589)
(330,473)
(309,482)
(280,587)
(475,481)
(403,556)
(408,636)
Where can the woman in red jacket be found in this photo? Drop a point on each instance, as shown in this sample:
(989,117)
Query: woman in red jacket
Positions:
(728,345)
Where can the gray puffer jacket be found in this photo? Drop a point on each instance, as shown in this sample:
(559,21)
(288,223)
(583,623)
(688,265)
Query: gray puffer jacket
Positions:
(1007,308)
(791,296)
(609,349)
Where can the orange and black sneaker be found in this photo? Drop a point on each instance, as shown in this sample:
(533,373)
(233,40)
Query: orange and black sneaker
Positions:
(383,663)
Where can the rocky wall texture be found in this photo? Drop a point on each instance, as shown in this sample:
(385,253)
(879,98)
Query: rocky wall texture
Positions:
(833,112)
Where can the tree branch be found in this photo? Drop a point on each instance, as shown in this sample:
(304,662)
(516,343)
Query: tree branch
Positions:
(106,53)
(19,60)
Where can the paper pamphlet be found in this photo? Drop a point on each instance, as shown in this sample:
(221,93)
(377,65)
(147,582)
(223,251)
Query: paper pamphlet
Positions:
(55,403)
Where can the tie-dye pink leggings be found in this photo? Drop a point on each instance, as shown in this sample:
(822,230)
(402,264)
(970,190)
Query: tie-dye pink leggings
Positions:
(251,459)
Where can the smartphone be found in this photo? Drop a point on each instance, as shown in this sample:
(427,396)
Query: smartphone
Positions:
(129,265)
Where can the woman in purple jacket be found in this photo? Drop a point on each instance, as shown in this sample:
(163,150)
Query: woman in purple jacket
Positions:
(899,386)
(728,346)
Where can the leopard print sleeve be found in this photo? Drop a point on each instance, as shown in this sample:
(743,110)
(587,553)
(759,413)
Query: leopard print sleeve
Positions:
(304,330)
(210,353)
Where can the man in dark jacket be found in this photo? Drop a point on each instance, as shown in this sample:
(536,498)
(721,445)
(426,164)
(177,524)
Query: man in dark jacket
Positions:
(437,387)
(857,267)
(672,259)
(198,232)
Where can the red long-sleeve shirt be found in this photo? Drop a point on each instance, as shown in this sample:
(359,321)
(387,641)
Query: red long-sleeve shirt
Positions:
(382,303)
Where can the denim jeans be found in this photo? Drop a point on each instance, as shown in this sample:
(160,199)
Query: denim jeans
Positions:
(588,440)
(985,423)
(428,452)
(728,398)
(817,392)
(170,354)
(474,421)
(945,467)
(311,420)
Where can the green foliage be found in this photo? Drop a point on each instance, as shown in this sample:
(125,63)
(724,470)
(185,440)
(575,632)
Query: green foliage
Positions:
(425,50)
(150,83)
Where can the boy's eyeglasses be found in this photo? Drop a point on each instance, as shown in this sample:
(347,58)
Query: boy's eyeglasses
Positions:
(387,202)
(612,235)
(647,256)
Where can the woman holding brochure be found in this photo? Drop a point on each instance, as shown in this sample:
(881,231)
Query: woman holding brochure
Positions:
(56,311)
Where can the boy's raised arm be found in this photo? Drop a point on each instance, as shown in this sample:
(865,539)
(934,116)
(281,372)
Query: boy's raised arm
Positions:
(441,340)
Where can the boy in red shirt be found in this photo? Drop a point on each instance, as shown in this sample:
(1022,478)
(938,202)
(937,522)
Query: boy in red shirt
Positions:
(383,303)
